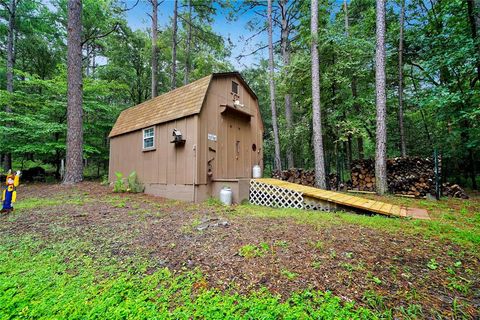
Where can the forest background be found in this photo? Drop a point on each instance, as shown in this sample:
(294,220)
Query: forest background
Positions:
(439,74)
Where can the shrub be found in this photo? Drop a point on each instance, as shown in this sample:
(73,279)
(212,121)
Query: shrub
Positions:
(119,185)
(133,184)
(252,251)
(249,251)
(104,180)
(289,274)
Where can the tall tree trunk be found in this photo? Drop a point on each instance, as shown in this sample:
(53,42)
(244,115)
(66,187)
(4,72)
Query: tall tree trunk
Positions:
(381,103)
(87,58)
(74,166)
(94,66)
(189,41)
(278,163)
(349,152)
(174,46)
(425,124)
(12,8)
(474,21)
(286,62)
(356,106)
(320,180)
(345,9)
(403,146)
(154,48)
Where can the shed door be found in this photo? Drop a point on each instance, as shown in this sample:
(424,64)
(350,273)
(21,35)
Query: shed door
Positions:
(238,139)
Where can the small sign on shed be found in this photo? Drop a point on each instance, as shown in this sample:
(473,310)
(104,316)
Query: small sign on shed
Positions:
(212,137)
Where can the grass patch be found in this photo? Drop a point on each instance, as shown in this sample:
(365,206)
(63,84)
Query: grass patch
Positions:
(281,243)
(116,201)
(252,251)
(317,245)
(432,264)
(468,236)
(191,227)
(289,274)
(62,281)
(35,203)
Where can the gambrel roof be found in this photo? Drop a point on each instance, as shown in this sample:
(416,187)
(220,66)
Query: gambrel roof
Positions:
(181,102)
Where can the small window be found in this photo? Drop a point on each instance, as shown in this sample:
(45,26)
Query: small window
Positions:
(234,87)
(149,138)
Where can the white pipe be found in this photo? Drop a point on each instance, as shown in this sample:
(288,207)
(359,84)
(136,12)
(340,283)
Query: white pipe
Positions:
(194,170)
(62,168)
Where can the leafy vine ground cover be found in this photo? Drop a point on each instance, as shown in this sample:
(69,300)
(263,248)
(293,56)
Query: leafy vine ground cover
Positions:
(84,252)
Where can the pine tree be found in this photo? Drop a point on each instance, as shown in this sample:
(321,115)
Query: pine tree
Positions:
(11,9)
(403,146)
(154,48)
(286,21)
(278,163)
(356,106)
(74,167)
(320,180)
(381,102)
(173,84)
(186,78)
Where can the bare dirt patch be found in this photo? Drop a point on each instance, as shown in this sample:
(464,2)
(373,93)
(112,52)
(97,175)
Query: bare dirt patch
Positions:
(372,267)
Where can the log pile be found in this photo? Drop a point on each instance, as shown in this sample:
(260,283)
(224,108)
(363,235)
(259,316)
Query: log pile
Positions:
(362,175)
(412,176)
(296,175)
(453,190)
(306,178)
(406,176)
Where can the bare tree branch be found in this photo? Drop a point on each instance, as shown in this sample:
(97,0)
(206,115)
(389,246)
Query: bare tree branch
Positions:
(99,36)
(190,23)
(424,72)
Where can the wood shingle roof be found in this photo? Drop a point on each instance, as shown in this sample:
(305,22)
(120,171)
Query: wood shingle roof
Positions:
(178,103)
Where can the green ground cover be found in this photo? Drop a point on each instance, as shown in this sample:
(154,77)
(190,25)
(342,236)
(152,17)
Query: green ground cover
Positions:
(61,258)
(61,280)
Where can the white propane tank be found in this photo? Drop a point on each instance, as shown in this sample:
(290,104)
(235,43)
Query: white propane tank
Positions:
(226,196)
(257,171)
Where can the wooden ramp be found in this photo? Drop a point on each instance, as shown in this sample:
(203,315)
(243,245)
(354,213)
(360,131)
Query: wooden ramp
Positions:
(299,196)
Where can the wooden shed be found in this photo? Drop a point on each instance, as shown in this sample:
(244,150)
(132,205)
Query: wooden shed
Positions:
(190,142)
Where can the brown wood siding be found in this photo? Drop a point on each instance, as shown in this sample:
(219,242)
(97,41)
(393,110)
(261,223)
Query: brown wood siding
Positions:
(228,163)
(167,164)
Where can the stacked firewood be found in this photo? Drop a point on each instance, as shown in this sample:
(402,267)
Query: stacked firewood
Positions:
(408,176)
(296,175)
(453,190)
(334,183)
(362,175)
(306,178)
(411,176)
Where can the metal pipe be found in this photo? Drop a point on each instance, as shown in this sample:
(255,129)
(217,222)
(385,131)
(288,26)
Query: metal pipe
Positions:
(194,170)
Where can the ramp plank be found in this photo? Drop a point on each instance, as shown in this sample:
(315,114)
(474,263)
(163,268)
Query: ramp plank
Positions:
(367,205)
(376,206)
(349,200)
(386,208)
(395,211)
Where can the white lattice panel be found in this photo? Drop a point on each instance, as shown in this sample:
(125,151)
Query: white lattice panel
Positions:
(264,194)
(319,205)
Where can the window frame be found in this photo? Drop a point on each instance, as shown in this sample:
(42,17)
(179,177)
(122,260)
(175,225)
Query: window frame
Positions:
(144,138)
(238,88)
